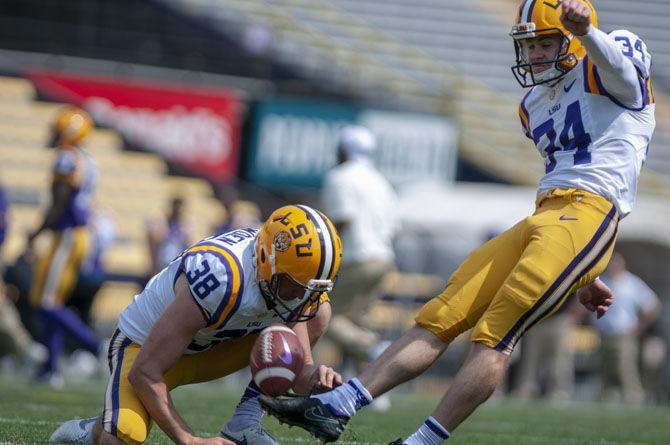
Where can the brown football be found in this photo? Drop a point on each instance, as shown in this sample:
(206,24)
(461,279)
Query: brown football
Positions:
(276,359)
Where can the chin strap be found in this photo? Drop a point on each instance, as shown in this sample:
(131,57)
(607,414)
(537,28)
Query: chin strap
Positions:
(270,303)
(288,315)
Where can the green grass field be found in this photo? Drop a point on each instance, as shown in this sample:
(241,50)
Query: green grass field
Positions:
(28,415)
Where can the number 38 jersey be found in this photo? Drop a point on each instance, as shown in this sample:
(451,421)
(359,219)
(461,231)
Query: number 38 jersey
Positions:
(589,138)
(221,274)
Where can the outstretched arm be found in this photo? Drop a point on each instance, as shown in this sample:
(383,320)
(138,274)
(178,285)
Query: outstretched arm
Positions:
(612,55)
(313,377)
(596,297)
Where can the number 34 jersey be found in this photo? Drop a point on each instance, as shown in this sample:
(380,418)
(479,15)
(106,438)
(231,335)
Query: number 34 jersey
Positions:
(588,138)
(221,275)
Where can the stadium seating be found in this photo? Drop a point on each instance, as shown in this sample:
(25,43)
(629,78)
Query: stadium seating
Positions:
(133,187)
(424,55)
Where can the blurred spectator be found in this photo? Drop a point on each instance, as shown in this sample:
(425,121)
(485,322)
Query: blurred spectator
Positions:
(4,208)
(14,338)
(241,215)
(636,307)
(236,213)
(362,205)
(547,365)
(55,275)
(102,229)
(168,238)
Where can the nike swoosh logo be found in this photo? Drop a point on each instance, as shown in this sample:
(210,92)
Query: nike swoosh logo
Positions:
(315,414)
(286,357)
(84,423)
(567,218)
(567,88)
(232,439)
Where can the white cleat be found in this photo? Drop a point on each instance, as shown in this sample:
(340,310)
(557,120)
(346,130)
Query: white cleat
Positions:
(74,432)
(254,435)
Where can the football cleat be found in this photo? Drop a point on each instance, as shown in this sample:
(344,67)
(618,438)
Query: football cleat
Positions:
(254,435)
(74,432)
(398,441)
(308,413)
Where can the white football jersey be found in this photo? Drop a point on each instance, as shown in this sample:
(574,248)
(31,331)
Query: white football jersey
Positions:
(221,274)
(588,138)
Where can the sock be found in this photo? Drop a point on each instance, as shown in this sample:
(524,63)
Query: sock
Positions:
(345,400)
(248,412)
(53,339)
(73,325)
(430,433)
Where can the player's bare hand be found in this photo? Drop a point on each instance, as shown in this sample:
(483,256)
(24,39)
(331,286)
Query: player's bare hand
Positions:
(325,378)
(576,17)
(596,297)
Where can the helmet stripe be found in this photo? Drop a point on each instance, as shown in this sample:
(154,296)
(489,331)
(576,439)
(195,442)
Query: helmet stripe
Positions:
(528,10)
(330,234)
(327,246)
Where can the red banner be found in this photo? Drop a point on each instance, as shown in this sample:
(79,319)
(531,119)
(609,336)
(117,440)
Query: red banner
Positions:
(196,128)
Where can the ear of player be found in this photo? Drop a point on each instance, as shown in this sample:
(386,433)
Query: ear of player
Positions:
(276,359)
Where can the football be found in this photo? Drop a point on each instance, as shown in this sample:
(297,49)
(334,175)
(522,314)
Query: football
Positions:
(276,359)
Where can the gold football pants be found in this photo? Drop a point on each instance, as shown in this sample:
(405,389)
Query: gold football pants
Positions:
(124,415)
(526,273)
(57,270)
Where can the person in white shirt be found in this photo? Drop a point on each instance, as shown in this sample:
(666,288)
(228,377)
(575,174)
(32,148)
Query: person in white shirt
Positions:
(637,306)
(362,204)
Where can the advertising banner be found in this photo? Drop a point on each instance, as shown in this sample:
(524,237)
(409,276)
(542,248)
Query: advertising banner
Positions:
(294,142)
(196,128)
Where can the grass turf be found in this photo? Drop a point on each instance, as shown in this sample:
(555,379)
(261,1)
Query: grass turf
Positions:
(29,413)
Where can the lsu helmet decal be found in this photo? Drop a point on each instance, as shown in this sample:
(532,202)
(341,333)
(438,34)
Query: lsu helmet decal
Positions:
(300,245)
(538,18)
(72,126)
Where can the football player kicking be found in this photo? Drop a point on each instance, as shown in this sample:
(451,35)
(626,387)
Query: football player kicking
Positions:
(590,114)
(197,320)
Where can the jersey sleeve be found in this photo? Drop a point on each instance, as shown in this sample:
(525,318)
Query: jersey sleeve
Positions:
(618,66)
(523,117)
(634,49)
(65,167)
(215,279)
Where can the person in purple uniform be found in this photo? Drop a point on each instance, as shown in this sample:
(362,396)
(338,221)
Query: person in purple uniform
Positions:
(57,268)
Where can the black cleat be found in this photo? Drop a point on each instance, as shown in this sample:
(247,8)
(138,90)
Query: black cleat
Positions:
(398,441)
(307,413)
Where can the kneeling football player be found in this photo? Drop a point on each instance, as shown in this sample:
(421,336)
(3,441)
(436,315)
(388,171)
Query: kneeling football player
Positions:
(197,321)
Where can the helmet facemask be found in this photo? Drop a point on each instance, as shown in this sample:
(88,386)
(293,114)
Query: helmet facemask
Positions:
(557,67)
(281,295)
